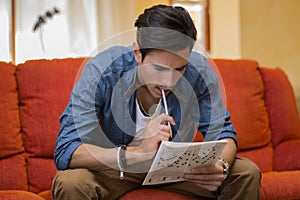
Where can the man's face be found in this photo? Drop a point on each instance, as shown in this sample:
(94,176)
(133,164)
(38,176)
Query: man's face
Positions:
(160,70)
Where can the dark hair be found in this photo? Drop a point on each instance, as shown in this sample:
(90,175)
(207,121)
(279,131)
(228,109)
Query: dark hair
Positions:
(165,27)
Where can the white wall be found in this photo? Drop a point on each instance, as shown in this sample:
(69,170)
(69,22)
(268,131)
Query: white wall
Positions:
(271,34)
(225,38)
(264,30)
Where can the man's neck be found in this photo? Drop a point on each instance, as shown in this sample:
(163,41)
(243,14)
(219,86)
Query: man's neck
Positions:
(146,101)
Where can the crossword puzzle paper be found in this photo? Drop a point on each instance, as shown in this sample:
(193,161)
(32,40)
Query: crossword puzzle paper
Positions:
(174,159)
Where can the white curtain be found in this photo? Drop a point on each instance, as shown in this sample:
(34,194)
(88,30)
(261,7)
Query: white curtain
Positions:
(5,15)
(69,29)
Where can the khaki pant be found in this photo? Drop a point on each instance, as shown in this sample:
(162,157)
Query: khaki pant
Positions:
(242,183)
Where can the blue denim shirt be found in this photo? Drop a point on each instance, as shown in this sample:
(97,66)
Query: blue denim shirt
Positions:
(102,109)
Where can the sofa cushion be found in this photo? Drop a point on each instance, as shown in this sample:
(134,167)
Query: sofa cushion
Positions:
(44,89)
(263,157)
(18,195)
(47,195)
(244,92)
(147,194)
(10,137)
(13,173)
(280,185)
(281,105)
(286,156)
(41,172)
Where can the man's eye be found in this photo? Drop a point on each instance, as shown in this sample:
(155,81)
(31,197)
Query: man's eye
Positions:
(181,68)
(158,68)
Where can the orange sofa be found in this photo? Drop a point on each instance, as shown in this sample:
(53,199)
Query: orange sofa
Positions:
(34,94)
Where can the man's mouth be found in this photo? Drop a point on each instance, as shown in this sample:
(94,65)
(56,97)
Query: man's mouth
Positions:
(167,90)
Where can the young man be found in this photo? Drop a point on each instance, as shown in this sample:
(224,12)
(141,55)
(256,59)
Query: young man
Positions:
(115,119)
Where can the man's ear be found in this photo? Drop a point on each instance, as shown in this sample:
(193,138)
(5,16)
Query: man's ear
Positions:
(137,53)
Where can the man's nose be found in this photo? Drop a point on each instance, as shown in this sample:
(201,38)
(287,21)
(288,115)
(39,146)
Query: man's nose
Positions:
(168,79)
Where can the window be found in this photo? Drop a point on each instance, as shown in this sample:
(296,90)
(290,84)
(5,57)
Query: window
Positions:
(48,29)
(198,10)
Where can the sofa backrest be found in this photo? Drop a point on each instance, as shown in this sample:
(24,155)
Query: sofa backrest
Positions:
(284,119)
(264,112)
(260,100)
(244,86)
(244,98)
(12,160)
(44,90)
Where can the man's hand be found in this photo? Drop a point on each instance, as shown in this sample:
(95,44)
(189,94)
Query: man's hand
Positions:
(210,178)
(155,132)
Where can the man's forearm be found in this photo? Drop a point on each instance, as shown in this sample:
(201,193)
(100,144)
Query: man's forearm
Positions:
(229,152)
(99,158)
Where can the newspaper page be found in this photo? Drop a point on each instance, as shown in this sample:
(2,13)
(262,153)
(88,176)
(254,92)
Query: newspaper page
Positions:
(174,159)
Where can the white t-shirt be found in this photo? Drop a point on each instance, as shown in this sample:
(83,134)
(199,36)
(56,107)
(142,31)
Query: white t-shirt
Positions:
(141,123)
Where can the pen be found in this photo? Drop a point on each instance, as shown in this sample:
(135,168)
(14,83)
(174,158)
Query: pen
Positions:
(166,109)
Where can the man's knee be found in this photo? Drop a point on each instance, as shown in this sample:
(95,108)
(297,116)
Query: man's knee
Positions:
(247,169)
(69,179)
(243,181)
(75,184)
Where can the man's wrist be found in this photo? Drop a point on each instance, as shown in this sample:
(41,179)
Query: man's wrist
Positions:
(136,154)
(225,167)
